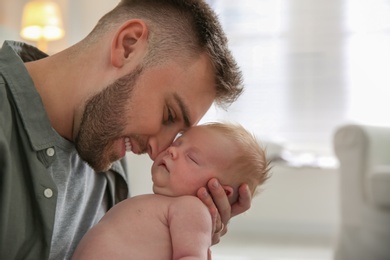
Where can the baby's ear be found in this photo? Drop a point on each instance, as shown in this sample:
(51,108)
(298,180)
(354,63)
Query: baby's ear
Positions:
(228,190)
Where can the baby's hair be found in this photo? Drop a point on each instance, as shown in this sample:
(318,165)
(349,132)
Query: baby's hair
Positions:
(250,166)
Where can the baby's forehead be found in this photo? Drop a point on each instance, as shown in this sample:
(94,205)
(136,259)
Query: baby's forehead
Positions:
(211,139)
(200,129)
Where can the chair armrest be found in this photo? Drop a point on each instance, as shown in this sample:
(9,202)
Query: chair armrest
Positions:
(379,185)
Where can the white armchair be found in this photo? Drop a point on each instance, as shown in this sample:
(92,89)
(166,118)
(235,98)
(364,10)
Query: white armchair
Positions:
(364,156)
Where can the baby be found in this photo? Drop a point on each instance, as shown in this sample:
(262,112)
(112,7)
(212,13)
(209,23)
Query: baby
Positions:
(173,223)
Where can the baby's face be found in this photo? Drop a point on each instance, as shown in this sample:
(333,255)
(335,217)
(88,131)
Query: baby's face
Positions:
(193,158)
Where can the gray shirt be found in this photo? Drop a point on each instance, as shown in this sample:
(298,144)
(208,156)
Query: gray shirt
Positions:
(49,197)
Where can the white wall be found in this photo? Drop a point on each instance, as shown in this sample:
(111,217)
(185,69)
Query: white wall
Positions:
(139,174)
(295,201)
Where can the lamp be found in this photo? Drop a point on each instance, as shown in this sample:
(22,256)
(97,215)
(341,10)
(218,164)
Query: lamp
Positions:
(42,22)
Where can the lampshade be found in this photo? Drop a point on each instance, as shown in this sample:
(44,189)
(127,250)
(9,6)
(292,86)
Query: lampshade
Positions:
(42,21)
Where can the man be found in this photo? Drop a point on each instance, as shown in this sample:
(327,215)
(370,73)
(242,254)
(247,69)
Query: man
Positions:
(147,71)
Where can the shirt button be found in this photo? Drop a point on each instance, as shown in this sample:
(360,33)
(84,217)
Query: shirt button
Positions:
(50,151)
(48,193)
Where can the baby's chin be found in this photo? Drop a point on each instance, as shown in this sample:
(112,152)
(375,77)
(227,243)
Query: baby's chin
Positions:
(157,190)
(163,191)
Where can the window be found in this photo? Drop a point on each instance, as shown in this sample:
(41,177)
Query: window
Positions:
(309,66)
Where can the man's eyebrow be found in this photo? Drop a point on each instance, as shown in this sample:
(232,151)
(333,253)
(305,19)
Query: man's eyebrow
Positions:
(184,110)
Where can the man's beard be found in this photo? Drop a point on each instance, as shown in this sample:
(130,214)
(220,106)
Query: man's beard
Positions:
(104,121)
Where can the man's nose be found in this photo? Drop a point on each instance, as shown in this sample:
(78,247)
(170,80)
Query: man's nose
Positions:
(158,143)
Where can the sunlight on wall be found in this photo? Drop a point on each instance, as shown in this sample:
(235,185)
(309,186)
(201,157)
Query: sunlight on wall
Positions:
(368,61)
(309,67)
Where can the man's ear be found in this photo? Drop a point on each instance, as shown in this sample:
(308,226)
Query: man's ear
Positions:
(129,43)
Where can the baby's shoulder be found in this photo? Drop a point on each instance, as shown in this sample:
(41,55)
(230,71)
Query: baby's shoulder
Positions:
(188,202)
(188,199)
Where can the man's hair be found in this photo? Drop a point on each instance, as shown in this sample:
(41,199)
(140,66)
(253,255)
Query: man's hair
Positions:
(250,165)
(184,29)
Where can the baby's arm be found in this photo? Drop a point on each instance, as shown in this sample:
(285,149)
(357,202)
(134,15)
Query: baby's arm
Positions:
(190,226)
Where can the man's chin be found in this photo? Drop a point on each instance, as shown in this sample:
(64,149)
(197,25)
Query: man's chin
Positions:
(104,169)
(99,166)
(103,163)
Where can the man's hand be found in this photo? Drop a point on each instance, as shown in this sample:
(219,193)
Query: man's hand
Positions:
(243,202)
(220,208)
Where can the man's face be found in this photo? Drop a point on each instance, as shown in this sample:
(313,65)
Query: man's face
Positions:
(144,111)
(193,159)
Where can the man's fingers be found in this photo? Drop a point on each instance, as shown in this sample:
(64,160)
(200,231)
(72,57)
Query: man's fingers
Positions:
(221,201)
(244,200)
(205,197)
(219,207)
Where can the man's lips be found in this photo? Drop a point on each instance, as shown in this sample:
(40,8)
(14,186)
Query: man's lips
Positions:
(128,145)
(134,145)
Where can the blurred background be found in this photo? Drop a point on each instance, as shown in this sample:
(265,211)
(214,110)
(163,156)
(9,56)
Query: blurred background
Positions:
(309,67)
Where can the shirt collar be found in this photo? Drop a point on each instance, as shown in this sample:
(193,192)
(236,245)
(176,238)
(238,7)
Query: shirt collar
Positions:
(24,94)
(27,99)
